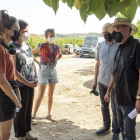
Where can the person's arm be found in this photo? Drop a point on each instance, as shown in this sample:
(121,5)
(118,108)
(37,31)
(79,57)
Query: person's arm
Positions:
(59,56)
(96,74)
(97,58)
(36,77)
(111,85)
(6,87)
(35,60)
(20,78)
(138,93)
(35,50)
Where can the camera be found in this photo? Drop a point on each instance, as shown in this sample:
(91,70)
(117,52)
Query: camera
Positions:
(94,91)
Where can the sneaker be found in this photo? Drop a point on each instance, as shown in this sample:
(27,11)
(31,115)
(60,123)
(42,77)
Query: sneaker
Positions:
(30,137)
(115,136)
(103,130)
(51,118)
(20,138)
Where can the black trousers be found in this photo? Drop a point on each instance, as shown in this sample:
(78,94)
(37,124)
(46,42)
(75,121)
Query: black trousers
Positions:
(22,121)
(105,109)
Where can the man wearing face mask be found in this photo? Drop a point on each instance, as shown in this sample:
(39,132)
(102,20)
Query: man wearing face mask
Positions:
(103,70)
(125,77)
(24,61)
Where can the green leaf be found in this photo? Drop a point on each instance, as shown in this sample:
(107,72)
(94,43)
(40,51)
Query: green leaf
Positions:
(124,5)
(83,13)
(47,2)
(138,1)
(108,3)
(55,5)
(70,3)
(98,8)
(113,8)
(78,4)
(129,12)
(64,1)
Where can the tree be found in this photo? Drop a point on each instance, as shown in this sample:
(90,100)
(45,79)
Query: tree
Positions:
(120,16)
(137,35)
(99,7)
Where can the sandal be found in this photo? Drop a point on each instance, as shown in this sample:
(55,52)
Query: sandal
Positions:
(33,120)
(51,118)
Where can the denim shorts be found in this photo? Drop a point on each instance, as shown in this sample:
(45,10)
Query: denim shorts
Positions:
(47,75)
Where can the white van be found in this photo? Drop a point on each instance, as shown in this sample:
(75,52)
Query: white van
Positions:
(67,48)
(90,45)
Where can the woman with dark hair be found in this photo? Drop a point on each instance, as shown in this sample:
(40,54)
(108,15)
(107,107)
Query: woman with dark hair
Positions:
(50,53)
(25,66)
(9,31)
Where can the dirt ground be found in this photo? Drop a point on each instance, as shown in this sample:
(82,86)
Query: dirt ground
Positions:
(77,112)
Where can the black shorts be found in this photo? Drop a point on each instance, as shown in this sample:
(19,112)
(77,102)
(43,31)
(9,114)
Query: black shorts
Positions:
(7,107)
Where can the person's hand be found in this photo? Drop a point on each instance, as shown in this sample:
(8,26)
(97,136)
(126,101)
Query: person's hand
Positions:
(107,97)
(19,95)
(94,85)
(32,84)
(36,80)
(18,104)
(138,106)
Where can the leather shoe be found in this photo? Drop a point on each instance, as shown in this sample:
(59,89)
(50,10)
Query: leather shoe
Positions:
(103,130)
(115,136)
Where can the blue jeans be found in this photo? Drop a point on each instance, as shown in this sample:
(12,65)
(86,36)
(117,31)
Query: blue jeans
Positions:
(127,125)
(105,109)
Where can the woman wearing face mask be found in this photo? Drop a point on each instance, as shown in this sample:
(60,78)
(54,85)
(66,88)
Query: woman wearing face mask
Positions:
(49,55)
(9,31)
(25,66)
(8,99)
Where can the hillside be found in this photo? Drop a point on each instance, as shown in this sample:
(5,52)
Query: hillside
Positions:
(75,35)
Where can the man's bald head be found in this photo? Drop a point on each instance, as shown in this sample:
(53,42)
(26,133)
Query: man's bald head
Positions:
(104,28)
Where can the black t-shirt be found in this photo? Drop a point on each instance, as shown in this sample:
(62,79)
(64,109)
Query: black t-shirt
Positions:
(24,62)
(125,73)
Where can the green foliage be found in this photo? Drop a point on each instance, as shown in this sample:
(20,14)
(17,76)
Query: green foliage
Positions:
(74,41)
(120,15)
(59,41)
(35,41)
(137,35)
(99,7)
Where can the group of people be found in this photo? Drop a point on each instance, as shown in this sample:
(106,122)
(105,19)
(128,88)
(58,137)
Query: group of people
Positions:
(117,73)
(18,76)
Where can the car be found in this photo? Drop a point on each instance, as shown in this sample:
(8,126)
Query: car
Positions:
(67,48)
(75,48)
(77,52)
(90,45)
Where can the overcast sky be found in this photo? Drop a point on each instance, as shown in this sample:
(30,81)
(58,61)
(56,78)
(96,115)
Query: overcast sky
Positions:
(40,17)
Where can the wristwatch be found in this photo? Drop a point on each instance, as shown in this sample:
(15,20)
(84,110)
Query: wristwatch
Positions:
(138,96)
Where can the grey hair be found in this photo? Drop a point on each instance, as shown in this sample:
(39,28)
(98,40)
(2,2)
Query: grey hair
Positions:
(105,25)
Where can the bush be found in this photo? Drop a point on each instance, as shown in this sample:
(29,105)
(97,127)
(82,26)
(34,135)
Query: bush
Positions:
(59,41)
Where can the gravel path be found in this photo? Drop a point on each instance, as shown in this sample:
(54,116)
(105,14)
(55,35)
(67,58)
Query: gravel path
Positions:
(77,112)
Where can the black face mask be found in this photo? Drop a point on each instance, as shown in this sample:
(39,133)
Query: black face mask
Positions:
(117,36)
(16,35)
(108,37)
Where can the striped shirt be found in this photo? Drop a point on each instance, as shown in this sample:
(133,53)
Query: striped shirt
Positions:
(106,54)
